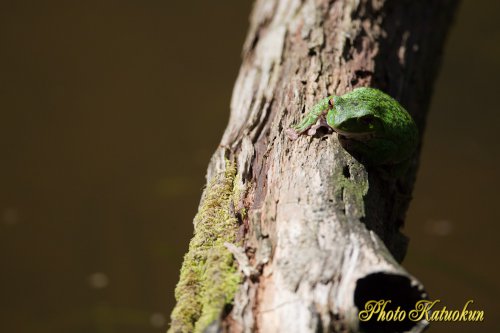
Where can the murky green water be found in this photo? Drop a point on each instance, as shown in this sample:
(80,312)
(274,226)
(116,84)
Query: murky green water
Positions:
(110,111)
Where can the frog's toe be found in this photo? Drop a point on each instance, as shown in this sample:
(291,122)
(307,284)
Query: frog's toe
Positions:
(292,133)
(321,123)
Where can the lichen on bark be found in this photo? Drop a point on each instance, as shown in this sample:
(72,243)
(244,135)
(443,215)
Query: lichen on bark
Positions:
(209,276)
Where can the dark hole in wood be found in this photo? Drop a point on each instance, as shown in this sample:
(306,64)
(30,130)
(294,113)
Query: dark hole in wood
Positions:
(346,171)
(397,289)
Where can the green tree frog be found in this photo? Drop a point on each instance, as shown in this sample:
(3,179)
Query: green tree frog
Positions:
(371,125)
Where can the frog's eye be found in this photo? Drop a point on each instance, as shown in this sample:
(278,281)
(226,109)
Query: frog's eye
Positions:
(330,102)
(367,120)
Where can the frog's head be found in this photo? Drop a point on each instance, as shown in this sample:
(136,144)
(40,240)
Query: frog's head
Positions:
(354,119)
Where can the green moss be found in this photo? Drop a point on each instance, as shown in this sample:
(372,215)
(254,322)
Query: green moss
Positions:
(352,189)
(209,276)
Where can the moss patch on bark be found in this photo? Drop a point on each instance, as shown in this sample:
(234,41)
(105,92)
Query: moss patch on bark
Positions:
(209,275)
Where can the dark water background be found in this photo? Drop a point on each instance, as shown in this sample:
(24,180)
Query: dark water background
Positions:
(109,113)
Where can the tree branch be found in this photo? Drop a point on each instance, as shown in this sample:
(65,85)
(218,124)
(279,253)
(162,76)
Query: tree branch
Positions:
(322,229)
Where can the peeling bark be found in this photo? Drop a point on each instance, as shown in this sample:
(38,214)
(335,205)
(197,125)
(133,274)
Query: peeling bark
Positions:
(323,230)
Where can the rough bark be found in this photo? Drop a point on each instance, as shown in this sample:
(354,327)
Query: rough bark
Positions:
(322,230)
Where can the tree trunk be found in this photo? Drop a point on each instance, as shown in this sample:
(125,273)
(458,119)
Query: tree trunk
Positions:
(320,232)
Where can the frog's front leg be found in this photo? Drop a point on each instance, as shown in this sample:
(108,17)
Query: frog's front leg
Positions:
(321,122)
(312,120)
